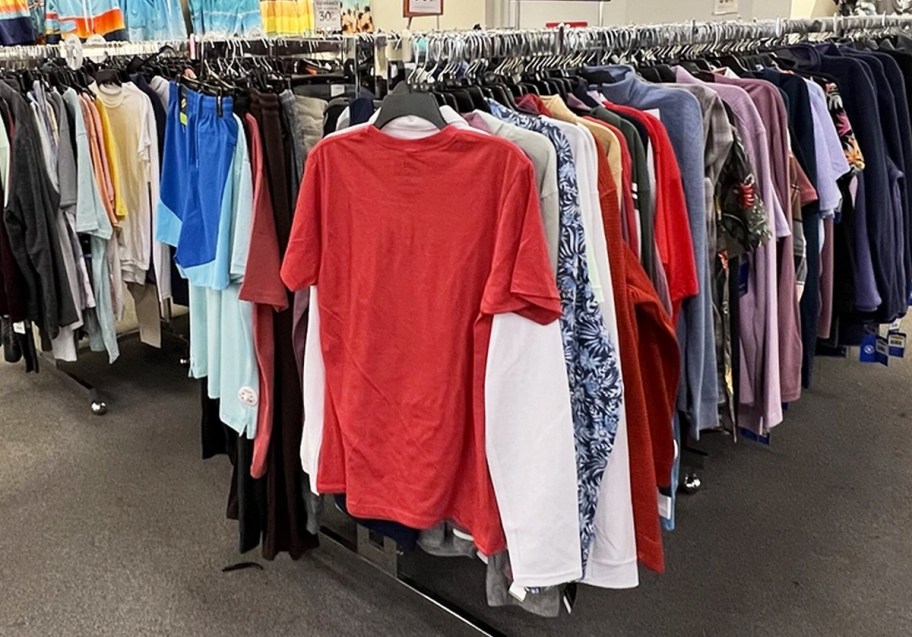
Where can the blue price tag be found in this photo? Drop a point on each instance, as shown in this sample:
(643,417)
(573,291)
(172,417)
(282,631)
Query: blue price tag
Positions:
(868,350)
(760,439)
(744,278)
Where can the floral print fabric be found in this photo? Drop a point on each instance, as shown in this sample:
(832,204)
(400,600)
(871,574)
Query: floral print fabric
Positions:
(593,365)
(844,127)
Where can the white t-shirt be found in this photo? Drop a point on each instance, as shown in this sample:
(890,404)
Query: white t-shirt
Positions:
(613,558)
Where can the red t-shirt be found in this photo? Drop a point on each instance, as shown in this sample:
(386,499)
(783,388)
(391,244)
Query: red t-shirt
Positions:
(672,227)
(646,342)
(414,245)
(262,286)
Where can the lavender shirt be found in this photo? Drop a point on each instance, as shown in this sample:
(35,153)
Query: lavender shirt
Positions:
(771,106)
(759,389)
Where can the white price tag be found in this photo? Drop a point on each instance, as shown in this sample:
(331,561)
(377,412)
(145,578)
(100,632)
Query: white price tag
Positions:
(518,591)
(328,15)
(19,327)
(664,507)
(423,7)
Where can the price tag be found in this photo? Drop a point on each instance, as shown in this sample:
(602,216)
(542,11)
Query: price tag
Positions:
(413,8)
(897,343)
(664,506)
(883,350)
(517,592)
(328,15)
(868,351)
(19,327)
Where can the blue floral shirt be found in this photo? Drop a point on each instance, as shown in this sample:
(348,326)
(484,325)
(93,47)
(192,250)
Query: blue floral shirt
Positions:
(593,365)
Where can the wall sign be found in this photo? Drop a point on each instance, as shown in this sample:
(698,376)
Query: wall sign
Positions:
(327,15)
(416,8)
(724,7)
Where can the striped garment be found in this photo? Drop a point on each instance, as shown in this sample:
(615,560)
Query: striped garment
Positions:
(16,25)
(51,22)
(287,17)
(104,17)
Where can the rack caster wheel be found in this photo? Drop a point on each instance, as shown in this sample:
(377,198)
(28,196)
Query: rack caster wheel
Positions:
(691,483)
(99,408)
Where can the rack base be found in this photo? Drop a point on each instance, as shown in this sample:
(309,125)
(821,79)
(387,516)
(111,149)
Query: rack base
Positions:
(383,554)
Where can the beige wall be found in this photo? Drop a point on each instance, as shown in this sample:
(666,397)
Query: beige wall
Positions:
(812,8)
(535,13)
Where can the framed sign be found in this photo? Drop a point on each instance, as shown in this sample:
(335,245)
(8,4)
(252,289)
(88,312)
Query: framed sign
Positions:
(417,8)
(725,7)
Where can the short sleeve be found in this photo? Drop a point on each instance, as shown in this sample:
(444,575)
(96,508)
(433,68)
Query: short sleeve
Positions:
(301,265)
(262,280)
(521,279)
(243,209)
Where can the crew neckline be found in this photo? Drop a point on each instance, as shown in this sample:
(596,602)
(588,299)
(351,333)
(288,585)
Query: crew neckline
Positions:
(439,139)
(111,96)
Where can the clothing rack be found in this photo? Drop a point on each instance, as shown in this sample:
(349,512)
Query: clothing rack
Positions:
(466,51)
(557,47)
(565,45)
(74,52)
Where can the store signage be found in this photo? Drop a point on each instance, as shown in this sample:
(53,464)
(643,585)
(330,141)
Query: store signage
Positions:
(725,7)
(416,8)
(328,15)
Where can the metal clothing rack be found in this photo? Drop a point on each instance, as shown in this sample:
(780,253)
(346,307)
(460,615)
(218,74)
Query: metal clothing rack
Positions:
(73,52)
(561,47)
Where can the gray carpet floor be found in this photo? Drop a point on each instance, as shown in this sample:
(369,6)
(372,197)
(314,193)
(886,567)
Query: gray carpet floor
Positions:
(113,526)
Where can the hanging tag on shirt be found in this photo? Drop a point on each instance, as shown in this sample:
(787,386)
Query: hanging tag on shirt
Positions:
(183,107)
(763,439)
(883,350)
(744,278)
(868,350)
(895,326)
(518,592)
(664,506)
(19,327)
(897,344)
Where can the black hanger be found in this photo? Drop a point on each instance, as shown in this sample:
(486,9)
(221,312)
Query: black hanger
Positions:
(478,98)
(403,102)
(734,62)
(108,76)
